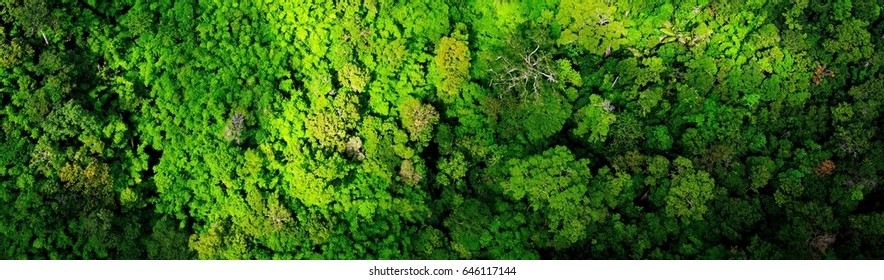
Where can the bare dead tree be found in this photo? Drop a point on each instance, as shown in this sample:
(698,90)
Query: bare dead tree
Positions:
(861,181)
(354,149)
(233,130)
(848,148)
(822,242)
(277,214)
(527,76)
(606,104)
(408,174)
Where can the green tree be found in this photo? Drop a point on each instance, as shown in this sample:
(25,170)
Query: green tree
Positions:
(851,42)
(554,183)
(595,119)
(453,63)
(592,25)
(690,192)
(418,119)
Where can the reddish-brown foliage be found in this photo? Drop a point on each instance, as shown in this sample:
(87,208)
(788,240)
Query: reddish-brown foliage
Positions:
(821,72)
(824,168)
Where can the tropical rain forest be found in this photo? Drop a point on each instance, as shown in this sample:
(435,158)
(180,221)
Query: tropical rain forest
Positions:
(441,129)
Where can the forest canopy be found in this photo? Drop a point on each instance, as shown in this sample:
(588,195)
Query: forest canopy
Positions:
(441,129)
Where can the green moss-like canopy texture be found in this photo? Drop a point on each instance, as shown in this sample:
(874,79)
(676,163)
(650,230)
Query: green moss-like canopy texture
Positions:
(441,129)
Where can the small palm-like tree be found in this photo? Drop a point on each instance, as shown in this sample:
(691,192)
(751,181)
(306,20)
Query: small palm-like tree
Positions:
(677,32)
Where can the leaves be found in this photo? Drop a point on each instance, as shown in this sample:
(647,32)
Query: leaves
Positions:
(690,191)
(419,120)
(453,62)
(536,129)
(594,120)
(553,183)
(590,24)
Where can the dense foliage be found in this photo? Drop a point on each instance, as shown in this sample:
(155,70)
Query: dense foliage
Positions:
(441,129)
